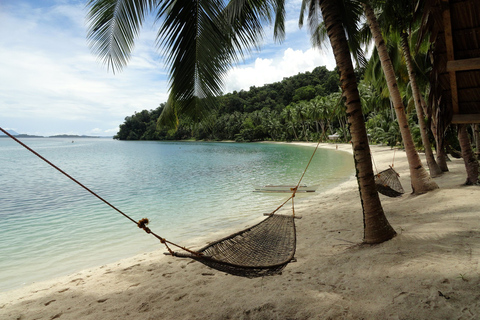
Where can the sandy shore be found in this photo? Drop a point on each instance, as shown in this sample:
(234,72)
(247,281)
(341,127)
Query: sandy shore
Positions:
(429,271)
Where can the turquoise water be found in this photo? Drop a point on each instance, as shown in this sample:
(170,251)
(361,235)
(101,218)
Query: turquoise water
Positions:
(50,226)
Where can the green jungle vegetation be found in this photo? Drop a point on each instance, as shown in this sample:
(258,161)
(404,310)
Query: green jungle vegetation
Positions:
(304,107)
(309,106)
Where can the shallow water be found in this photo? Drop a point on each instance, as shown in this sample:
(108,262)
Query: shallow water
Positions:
(50,226)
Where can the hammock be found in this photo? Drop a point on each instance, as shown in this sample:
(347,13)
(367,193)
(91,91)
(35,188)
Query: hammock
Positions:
(261,250)
(388,184)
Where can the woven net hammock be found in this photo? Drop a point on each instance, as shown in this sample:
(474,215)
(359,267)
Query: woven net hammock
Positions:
(261,250)
(388,184)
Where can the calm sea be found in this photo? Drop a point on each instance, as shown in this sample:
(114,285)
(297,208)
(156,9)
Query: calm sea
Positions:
(50,226)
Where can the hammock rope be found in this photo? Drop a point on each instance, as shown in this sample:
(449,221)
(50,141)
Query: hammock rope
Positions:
(142,224)
(295,189)
(263,249)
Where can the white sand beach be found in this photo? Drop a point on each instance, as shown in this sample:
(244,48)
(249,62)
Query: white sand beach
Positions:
(430,270)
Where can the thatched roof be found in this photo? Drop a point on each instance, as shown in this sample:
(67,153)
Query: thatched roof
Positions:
(454,27)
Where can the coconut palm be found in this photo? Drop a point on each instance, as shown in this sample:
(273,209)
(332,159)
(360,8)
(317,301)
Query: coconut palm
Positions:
(376,226)
(289,114)
(399,16)
(431,163)
(301,113)
(471,162)
(476,136)
(420,180)
(200,40)
(320,114)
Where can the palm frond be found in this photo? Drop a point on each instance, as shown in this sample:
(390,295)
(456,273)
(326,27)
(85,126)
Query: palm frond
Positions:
(319,37)
(198,50)
(279,24)
(351,12)
(169,116)
(201,39)
(113,26)
(244,21)
(247,18)
(314,15)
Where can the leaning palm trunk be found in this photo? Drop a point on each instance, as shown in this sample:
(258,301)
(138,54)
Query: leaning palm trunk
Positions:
(471,162)
(432,164)
(476,134)
(420,179)
(295,132)
(376,226)
(439,126)
(441,156)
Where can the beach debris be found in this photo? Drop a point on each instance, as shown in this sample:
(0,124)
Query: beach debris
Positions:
(442,295)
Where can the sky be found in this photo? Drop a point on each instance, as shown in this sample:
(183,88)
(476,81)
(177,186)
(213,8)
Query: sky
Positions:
(51,83)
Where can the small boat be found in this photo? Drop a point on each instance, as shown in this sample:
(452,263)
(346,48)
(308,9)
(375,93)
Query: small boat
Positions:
(285,188)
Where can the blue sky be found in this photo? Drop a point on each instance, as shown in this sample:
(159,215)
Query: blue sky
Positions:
(50,82)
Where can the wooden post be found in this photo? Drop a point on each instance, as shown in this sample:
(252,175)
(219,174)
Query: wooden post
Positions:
(447,25)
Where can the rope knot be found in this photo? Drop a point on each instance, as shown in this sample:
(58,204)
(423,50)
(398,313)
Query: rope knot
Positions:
(294,190)
(142,224)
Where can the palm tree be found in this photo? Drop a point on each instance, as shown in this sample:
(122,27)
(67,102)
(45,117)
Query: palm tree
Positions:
(420,180)
(289,115)
(432,164)
(301,113)
(319,113)
(399,16)
(376,226)
(476,135)
(471,162)
(200,39)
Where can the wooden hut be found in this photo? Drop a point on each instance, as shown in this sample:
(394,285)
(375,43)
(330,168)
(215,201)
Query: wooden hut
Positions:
(454,30)
(454,27)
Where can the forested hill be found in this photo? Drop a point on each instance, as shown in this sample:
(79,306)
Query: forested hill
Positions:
(286,110)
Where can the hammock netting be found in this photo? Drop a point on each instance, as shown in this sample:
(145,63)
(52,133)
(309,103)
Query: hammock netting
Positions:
(388,184)
(261,250)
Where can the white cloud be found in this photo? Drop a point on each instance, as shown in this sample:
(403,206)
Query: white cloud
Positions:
(112,131)
(51,83)
(49,73)
(264,71)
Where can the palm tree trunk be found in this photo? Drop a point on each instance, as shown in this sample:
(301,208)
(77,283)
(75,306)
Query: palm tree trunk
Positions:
(476,131)
(441,156)
(432,164)
(439,127)
(295,132)
(420,179)
(376,226)
(323,136)
(471,162)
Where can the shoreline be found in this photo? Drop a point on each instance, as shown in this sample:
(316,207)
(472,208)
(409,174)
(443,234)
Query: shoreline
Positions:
(429,270)
(217,204)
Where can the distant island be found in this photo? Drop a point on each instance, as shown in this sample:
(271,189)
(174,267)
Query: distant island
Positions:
(69,136)
(22,135)
(18,135)
(73,136)
(13,133)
